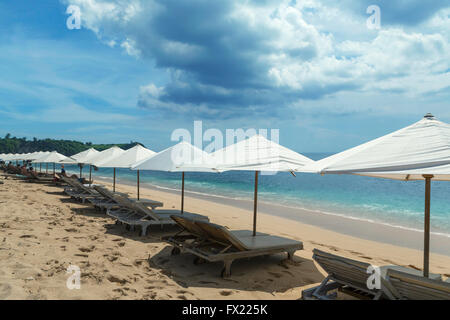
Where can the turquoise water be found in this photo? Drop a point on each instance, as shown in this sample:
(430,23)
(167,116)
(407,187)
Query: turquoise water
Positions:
(378,200)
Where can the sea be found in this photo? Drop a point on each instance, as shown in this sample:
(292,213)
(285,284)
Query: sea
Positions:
(383,201)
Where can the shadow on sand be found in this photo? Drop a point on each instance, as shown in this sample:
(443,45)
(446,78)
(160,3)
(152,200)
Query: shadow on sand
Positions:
(269,274)
(265,273)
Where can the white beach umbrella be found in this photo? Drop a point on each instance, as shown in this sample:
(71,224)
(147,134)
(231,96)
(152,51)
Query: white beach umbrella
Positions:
(16,157)
(103,157)
(128,159)
(420,151)
(27,156)
(38,155)
(9,157)
(257,153)
(182,157)
(53,157)
(83,157)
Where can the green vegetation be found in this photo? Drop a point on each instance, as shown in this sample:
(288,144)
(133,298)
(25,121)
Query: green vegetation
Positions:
(10,144)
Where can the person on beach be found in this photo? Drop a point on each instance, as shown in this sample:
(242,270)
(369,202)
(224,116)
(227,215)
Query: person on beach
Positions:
(74,176)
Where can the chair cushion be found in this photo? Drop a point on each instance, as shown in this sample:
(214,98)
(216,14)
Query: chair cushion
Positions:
(412,271)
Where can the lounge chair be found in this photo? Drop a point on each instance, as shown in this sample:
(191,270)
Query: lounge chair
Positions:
(211,242)
(77,190)
(350,276)
(41,178)
(406,286)
(110,200)
(135,213)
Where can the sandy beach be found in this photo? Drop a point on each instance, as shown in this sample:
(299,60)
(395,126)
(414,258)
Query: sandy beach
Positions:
(43,232)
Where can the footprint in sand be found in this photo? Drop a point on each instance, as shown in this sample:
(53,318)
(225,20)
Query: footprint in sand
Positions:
(71,230)
(116,279)
(25,236)
(121,291)
(88,249)
(110,258)
(225,293)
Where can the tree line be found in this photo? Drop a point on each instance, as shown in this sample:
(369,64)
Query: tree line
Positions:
(10,144)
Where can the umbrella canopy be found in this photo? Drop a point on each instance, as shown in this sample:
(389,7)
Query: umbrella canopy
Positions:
(35,155)
(7,156)
(15,156)
(53,157)
(31,156)
(420,151)
(104,156)
(418,148)
(182,157)
(257,153)
(129,158)
(84,156)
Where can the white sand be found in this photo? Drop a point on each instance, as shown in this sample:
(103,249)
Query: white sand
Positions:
(42,232)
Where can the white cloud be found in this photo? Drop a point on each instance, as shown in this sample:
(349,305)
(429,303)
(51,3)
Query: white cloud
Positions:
(299,51)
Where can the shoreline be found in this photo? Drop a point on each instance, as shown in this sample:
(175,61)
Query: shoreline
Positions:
(359,228)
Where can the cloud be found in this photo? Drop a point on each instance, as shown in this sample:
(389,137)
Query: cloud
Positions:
(231,59)
(397,12)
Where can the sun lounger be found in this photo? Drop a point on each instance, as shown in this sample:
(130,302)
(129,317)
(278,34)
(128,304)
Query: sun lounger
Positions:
(105,200)
(41,178)
(78,190)
(111,201)
(211,242)
(350,276)
(135,213)
(406,286)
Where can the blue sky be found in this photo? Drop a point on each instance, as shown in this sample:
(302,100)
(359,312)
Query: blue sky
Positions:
(138,69)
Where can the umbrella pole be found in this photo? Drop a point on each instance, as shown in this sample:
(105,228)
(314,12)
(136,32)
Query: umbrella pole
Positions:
(255,203)
(54,168)
(46,168)
(90,175)
(426,245)
(114,182)
(182,193)
(81,171)
(138,184)
(40,167)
